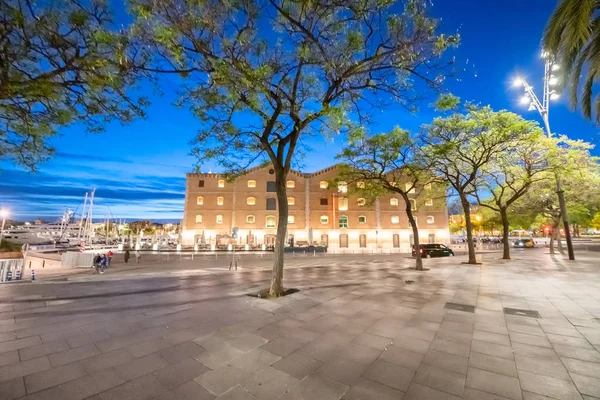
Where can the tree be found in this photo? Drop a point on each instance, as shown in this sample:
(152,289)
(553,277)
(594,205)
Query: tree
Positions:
(572,37)
(460,147)
(265,74)
(60,63)
(385,163)
(596,221)
(510,174)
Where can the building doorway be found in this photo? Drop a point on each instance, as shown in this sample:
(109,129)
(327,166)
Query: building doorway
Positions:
(396,240)
(412,240)
(431,238)
(344,241)
(270,240)
(362,240)
(325,240)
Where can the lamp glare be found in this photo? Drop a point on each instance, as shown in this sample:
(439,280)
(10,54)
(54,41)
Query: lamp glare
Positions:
(525,100)
(518,82)
(554,96)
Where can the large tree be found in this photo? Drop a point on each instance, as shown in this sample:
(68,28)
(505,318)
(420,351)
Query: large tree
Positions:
(61,62)
(265,74)
(459,148)
(385,163)
(511,173)
(572,37)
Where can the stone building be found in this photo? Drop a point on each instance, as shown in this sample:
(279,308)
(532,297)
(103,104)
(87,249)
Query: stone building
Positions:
(318,213)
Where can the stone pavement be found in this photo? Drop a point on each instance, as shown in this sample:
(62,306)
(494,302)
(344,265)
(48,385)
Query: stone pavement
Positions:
(359,329)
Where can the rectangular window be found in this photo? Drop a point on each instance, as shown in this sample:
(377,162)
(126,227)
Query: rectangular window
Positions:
(270,222)
(430,219)
(343,222)
(393,201)
(251,184)
(198,219)
(290,184)
(395,219)
(323,184)
(429,202)
(271,204)
(220,201)
(199,200)
(201,183)
(251,201)
(219,219)
(324,219)
(362,219)
(343,187)
(271,187)
(221,183)
(413,204)
(291,201)
(291,219)
(409,187)
(250,219)
(324,201)
(343,203)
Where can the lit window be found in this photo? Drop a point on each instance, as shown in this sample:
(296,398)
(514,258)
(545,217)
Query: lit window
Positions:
(409,187)
(430,220)
(343,203)
(394,184)
(427,186)
(219,219)
(429,202)
(361,202)
(360,185)
(250,219)
(413,204)
(362,219)
(199,200)
(395,219)
(323,184)
(221,183)
(393,201)
(270,222)
(291,201)
(342,187)
(251,184)
(291,219)
(324,219)
(220,201)
(251,201)
(343,222)
(198,219)
(290,184)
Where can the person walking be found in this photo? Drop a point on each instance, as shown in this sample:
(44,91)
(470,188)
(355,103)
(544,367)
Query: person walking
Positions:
(137,256)
(127,255)
(103,263)
(109,258)
(96,263)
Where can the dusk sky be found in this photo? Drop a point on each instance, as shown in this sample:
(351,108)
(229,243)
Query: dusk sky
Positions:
(139,169)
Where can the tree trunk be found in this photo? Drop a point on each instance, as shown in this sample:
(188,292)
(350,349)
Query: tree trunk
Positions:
(415,229)
(552,240)
(276,288)
(558,239)
(468,227)
(505,229)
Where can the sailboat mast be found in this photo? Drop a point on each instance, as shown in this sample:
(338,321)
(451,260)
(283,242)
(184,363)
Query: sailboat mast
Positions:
(82,216)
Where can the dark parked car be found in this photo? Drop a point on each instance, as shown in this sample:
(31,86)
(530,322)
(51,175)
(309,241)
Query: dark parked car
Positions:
(434,250)
(524,243)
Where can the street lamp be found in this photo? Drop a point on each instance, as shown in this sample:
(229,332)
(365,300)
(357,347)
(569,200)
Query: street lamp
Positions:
(543,107)
(3,214)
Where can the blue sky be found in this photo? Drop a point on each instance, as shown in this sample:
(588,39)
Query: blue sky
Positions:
(139,169)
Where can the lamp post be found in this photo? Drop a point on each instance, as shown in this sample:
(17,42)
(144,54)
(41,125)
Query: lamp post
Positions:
(543,107)
(3,214)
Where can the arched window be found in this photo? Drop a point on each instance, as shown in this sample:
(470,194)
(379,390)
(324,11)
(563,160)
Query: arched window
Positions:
(199,200)
(393,201)
(291,219)
(220,201)
(323,184)
(395,219)
(251,201)
(219,219)
(343,203)
(361,202)
(271,204)
(343,221)
(250,219)
(291,201)
(270,222)
(251,184)
(198,219)
(271,186)
(342,187)
(221,183)
(362,219)
(430,219)
(324,219)
(290,184)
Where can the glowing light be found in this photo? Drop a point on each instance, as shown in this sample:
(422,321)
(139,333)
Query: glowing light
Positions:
(525,100)
(554,96)
(555,67)
(3,213)
(518,82)
(553,80)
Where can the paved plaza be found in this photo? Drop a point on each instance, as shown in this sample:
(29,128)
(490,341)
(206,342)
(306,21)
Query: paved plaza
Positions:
(361,328)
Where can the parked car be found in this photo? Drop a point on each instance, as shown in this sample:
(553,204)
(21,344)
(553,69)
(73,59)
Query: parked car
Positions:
(434,250)
(524,243)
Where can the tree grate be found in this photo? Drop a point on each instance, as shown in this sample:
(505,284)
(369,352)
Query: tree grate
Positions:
(460,307)
(522,313)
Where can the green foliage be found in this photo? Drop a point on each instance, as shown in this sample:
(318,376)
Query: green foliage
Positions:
(595,223)
(60,64)
(572,37)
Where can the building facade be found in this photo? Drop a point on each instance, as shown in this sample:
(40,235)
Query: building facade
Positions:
(319,213)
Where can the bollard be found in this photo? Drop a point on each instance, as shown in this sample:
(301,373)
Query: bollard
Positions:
(314,253)
(33,275)
(18,275)
(43,263)
(29,264)
(9,276)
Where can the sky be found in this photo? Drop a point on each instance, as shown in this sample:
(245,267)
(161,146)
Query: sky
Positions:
(138,170)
